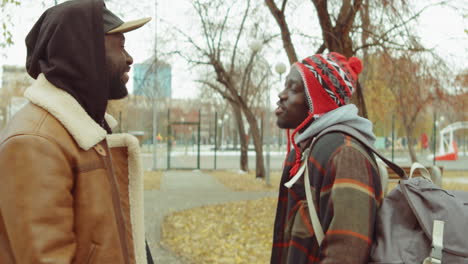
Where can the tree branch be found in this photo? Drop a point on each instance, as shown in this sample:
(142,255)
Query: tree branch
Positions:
(241,29)
(217,89)
(221,33)
(285,32)
(283,6)
(247,72)
(324,19)
(208,39)
(321,49)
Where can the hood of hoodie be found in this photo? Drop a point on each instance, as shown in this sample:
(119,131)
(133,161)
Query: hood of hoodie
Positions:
(67,45)
(344,115)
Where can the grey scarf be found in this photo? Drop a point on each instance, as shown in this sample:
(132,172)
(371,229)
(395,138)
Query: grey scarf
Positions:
(344,115)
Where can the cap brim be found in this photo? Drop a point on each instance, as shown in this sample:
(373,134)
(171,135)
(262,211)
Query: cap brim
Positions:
(130,25)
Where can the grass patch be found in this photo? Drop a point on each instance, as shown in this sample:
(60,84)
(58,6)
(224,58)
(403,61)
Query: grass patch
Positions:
(152,180)
(455,174)
(451,185)
(236,181)
(448,185)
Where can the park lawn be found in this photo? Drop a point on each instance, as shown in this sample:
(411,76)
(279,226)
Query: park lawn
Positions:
(152,180)
(238,232)
(454,185)
(448,185)
(455,174)
(246,181)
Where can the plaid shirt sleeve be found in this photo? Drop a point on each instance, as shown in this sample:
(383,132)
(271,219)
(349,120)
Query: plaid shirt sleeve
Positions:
(349,197)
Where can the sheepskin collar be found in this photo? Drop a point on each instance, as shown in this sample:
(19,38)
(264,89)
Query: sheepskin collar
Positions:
(68,111)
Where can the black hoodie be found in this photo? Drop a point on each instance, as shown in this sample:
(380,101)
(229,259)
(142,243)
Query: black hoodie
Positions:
(67,45)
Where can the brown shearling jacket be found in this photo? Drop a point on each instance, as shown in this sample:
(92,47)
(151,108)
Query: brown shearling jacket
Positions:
(69,193)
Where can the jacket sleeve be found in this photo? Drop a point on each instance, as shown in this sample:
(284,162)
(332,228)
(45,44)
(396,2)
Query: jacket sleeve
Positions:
(350,204)
(36,201)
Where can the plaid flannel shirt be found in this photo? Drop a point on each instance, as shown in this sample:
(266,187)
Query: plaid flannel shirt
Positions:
(346,190)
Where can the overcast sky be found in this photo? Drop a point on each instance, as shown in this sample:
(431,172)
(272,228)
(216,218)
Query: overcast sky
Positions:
(440,28)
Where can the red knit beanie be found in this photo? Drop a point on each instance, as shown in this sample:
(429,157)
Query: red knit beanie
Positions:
(329,82)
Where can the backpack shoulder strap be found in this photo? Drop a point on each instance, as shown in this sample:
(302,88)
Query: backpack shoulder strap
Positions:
(319,234)
(360,138)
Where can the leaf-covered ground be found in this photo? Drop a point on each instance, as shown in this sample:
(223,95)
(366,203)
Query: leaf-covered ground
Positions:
(246,181)
(239,232)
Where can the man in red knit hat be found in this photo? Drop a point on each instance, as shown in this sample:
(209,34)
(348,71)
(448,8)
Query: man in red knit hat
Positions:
(343,175)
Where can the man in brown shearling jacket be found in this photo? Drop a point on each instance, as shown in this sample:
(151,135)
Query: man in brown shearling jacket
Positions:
(70,190)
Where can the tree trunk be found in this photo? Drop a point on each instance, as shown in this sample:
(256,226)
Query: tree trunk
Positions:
(365,18)
(409,142)
(244,160)
(257,141)
(359,100)
(345,47)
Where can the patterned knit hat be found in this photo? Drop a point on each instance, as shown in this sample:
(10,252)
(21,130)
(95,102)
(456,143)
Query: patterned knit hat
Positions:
(329,82)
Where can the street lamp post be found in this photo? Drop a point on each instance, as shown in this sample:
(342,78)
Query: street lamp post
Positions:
(393,137)
(280,68)
(267,137)
(215,138)
(434,133)
(155,113)
(439,126)
(256,46)
(226,130)
(461,94)
(435,125)
(220,124)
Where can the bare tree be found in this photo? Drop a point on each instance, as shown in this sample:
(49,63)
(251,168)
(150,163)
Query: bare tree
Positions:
(239,76)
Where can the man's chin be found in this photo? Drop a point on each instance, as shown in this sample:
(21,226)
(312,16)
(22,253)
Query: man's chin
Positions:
(118,92)
(281,124)
(125,78)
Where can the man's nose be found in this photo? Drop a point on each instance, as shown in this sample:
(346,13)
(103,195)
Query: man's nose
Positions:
(282,95)
(128,58)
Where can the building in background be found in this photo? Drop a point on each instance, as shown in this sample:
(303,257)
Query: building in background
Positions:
(15,80)
(151,76)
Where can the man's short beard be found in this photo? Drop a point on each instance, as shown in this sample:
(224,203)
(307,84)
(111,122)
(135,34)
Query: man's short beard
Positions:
(118,90)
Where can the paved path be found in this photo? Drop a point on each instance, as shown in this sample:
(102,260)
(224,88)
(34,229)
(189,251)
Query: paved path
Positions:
(183,190)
